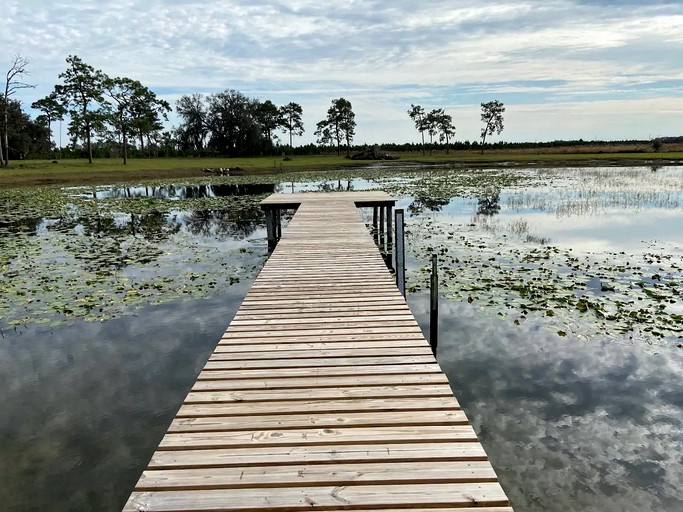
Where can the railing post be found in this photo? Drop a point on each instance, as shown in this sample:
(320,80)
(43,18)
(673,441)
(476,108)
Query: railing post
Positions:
(390,231)
(434,306)
(399,250)
(381,230)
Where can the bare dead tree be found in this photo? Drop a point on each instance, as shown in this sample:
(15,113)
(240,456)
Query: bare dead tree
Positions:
(14,81)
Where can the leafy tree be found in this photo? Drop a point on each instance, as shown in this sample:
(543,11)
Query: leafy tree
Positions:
(147,111)
(194,130)
(83,86)
(232,120)
(492,117)
(269,119)
(26,138)
(417,114)
(444,125)
(324,134)
(122,92)
(52,110)
(290,115)
(431,125)
(341,122)
(13,83)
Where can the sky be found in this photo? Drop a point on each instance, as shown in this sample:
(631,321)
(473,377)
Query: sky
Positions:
(565,69)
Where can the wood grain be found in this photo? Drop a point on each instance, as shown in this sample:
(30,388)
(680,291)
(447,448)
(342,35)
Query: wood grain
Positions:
(322,394)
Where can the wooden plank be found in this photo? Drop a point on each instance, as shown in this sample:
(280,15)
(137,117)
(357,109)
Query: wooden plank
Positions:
(307,353)
(239,346)
(322,393)
(304,420)
(400,318)
(319,382)
(315,363)
(318,332)
(323,498)
(305,454)
(292,277)
(319,406)
(300,475)
(339,302)
(313,312)
(331,371)
(281,395)
(319,436)
(292,271)
(329,295)
(412,335)
(324,322)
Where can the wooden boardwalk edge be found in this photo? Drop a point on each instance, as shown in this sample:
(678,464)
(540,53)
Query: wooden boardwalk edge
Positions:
(322,394)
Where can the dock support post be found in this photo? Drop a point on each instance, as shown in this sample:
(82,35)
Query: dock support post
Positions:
(278,224)
(434,306)
(399,250)
(375,227)
(271,229)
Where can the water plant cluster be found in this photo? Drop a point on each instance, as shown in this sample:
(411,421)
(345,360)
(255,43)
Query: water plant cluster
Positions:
(99,252)
(614,294)
(505,268)
(66,254)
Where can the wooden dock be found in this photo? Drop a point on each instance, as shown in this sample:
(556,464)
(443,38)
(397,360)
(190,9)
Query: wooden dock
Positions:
(322,394)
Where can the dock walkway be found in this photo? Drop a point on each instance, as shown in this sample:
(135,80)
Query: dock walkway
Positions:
(322,394)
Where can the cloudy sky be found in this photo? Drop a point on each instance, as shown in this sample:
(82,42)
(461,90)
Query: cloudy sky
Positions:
(566,69)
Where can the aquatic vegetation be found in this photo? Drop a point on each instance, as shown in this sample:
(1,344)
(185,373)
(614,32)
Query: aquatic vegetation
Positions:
(65,255)
(500,265)
(99,252)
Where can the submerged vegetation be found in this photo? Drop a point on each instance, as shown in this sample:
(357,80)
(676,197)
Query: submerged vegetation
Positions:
(99,252)
(502,267)
(68,253)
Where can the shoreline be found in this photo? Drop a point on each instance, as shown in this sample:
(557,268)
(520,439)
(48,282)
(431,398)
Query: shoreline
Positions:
(109,171)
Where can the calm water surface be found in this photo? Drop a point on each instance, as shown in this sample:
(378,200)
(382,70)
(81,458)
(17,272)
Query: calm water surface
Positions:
(569,423)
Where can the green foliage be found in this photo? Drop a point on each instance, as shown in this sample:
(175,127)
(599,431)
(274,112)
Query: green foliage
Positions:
(338,126)
(232,119)
(81,94)
(290,118)
(417,114)
(492,117)
(269,118)
(52,110)
(133,109)
(193,131)
(233,124)
(97,259)
(26,138)
(502,268)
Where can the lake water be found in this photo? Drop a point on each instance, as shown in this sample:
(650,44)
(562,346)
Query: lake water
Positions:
(560,323)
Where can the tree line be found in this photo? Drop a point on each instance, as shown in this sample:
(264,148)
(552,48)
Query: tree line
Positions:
(437,122)
(117,116)
(108,112)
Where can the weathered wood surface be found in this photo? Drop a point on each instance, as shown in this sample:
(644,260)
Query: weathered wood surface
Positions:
(322,394)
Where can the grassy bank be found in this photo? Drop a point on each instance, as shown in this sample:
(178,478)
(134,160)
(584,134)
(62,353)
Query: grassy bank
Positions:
(108,170)
(41,172)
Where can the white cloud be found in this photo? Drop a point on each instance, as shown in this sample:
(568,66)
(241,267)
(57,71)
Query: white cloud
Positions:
(382,55)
